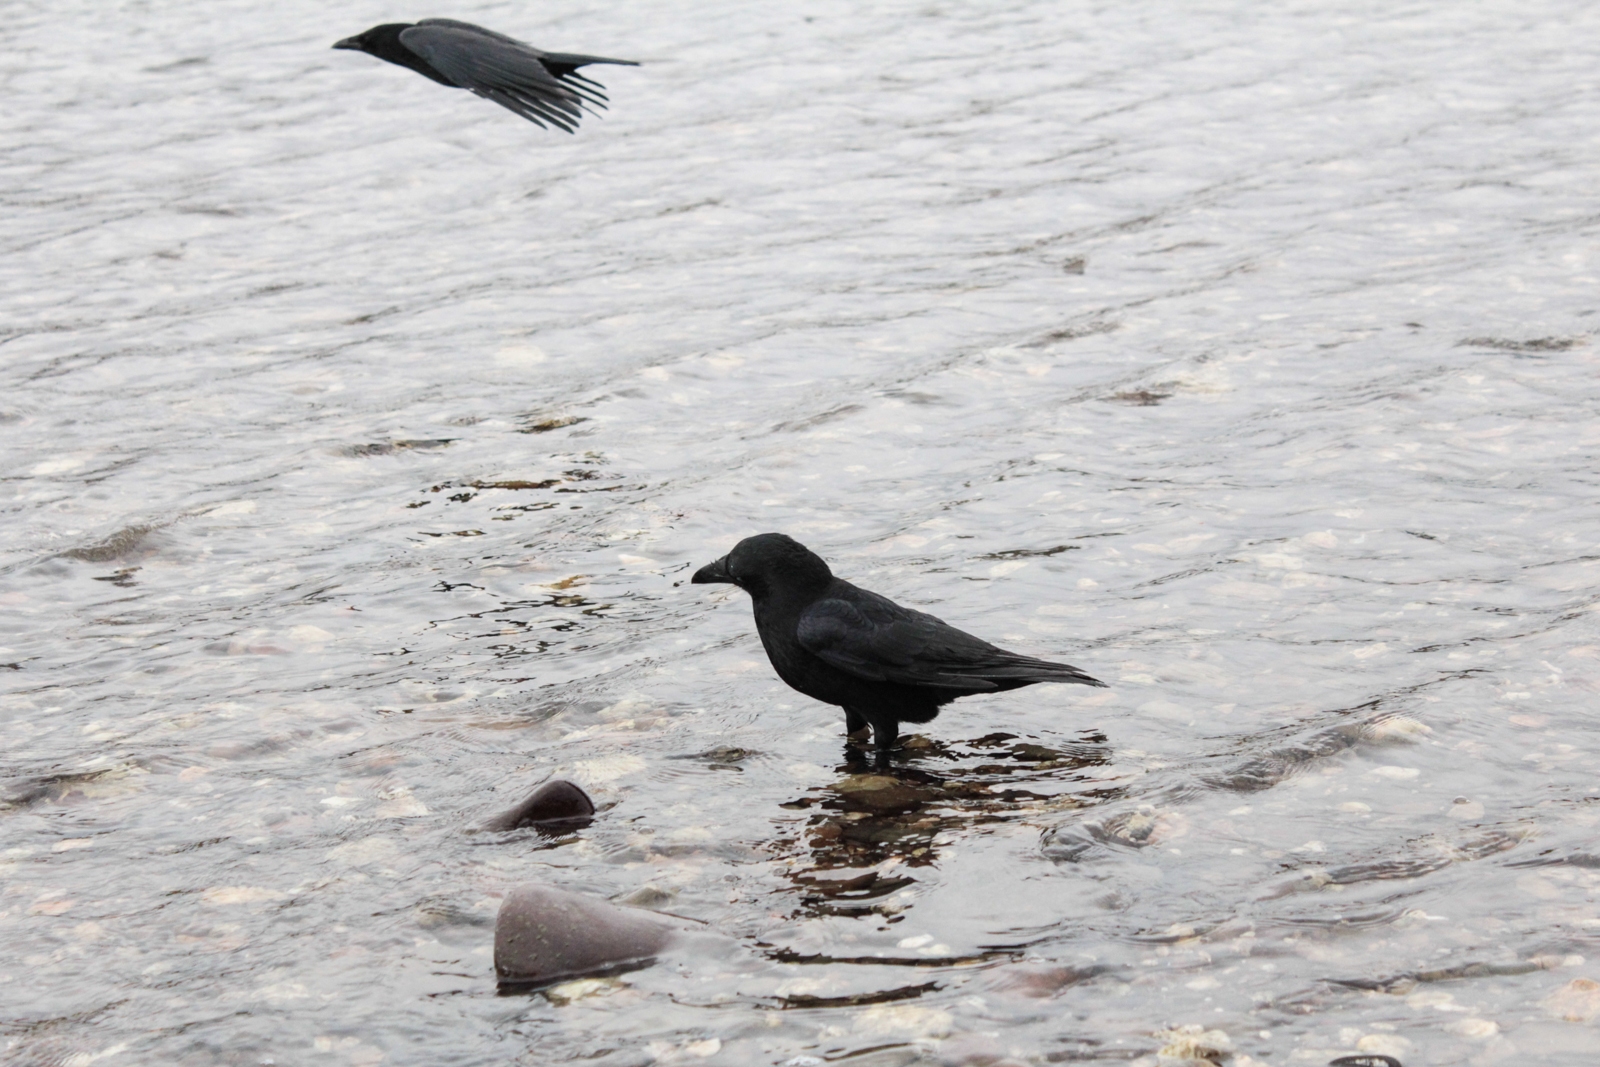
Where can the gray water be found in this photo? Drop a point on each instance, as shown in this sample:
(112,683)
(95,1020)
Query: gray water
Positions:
(359,440)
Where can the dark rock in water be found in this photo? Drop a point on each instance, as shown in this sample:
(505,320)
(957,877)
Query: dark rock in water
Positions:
(1366,1060)
(722,756)
(555,806)
(543,935)
(1044,981)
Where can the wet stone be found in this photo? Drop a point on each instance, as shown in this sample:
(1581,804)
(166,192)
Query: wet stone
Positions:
(724,757)
(1140,397)
(59,788)
(124,544)
(1144,826)
(439,913)
(543,934)
(1193,1044)
(555,807)
(545,425)
(1041,982)
(649,897)
(582,989)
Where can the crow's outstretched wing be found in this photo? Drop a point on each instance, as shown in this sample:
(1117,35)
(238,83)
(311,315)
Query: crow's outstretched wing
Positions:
(563,63)
(873,638)
(498,68)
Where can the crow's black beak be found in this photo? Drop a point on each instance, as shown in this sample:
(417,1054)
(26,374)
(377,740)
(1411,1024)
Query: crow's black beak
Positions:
(713,572)
(350,43)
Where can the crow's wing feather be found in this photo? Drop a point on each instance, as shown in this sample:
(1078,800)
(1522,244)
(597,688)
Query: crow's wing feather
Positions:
(550,59)
(876,639)
(573,60)
(468,27)
(564,63)
(497,68)
(902,647)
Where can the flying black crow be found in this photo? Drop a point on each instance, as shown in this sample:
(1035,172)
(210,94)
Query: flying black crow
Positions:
(884,664)
(543,87)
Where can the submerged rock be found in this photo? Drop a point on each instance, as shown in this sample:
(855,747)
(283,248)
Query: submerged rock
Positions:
(1194,1044)
(544,934)
(1576,1002)
(557,805)
(1038,981)
(650,897)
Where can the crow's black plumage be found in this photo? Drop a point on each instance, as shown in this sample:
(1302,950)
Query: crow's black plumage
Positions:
(884,664)
(543,87)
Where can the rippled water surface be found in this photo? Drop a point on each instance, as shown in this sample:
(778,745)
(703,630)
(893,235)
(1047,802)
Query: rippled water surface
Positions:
(359,440)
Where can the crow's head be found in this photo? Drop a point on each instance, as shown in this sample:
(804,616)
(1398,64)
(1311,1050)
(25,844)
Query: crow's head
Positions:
(768,563)
(381,41)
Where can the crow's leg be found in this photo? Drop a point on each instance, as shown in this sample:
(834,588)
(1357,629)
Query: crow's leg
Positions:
(885,735)
(855,725)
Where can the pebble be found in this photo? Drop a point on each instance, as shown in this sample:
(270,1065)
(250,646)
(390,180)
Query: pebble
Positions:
(1395,728)
(1463,808)
(902,1020)
(582,989)
(1193,1044)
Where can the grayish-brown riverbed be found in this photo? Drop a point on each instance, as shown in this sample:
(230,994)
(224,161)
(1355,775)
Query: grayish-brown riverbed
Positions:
(359,439)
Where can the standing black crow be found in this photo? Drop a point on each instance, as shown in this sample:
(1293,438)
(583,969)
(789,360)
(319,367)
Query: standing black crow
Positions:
(542,87)
(884,664)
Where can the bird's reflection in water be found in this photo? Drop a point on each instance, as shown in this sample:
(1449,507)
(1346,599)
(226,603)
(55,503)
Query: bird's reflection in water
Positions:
(872,828)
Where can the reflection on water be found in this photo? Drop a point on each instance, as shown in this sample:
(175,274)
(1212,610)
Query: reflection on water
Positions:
(359,442)
(869,831)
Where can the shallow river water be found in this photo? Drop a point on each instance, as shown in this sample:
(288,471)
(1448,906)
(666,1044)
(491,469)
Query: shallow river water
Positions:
(359,439)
